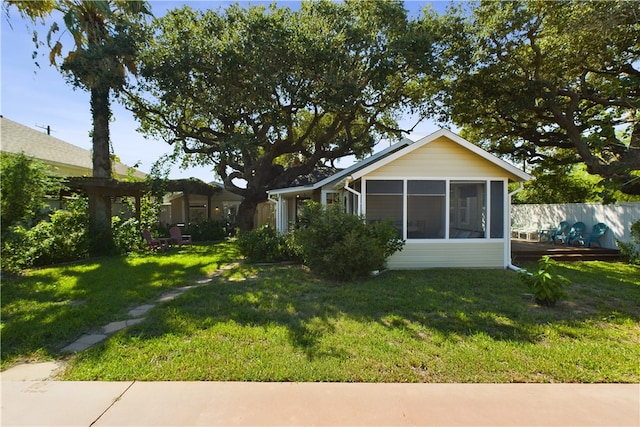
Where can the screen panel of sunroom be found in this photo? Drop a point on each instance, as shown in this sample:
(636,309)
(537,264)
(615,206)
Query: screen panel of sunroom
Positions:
(467,210)
(427,209)
(384,202)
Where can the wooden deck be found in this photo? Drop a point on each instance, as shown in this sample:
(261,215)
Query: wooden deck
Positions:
(531,251)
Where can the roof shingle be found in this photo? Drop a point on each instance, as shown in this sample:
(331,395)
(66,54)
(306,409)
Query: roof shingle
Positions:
(16,138)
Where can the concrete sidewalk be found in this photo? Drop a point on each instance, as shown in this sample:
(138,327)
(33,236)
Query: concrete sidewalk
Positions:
(59,403)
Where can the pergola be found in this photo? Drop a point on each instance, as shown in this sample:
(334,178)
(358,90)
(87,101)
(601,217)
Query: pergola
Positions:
(114,188)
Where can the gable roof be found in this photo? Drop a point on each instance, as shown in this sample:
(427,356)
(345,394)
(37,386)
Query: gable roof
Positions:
(402,148)
(452,137)
(16,138)
(404,142)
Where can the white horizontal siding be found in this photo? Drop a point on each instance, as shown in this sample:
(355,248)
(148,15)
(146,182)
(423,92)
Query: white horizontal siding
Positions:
(460,253)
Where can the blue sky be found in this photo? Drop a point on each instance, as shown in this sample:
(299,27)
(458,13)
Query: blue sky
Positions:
(40,97)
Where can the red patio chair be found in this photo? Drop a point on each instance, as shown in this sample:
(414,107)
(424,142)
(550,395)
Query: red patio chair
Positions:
(154,244)
(177,238)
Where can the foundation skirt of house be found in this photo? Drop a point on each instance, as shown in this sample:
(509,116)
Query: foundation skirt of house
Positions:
(465,253)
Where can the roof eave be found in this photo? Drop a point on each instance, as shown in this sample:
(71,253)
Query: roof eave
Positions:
(292,190)
(455,138)
(345,172)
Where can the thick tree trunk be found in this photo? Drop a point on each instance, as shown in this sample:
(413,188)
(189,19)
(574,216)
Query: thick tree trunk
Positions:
(100,235)
(100,112)
(246,213)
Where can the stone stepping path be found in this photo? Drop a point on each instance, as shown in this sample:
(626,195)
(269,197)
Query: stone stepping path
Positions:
(137,314)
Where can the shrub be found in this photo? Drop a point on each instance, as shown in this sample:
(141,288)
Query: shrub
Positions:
(547,287)
(18,252)
(630,251)
(127,234)
(339,245)
(63,237)
(207,230)
(264,244)
(23,187)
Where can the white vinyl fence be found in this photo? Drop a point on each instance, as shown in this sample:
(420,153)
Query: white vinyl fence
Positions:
(618,217)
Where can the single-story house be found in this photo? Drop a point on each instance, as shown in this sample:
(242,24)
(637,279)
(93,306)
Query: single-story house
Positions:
(63,159)
(60,157)
(75,164)
(447,198)
(184,208)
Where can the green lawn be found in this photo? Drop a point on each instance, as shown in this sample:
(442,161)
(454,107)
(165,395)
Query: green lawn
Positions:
(46,309)
(279,323)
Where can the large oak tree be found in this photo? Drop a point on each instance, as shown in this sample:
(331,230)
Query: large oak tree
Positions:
(549,82)
(267,94)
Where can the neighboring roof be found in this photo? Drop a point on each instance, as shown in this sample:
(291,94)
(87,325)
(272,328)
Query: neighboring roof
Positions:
(452,137)
(221,192)
(16,138)
(122,188)
(341,174)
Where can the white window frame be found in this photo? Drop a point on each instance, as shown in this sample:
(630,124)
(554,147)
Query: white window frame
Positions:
(448,180)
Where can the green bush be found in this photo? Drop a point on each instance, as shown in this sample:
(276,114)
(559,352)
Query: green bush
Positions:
(341,246)
(127,230)
(127,234)
(18,251)
(547,287)
(630,251)
(264,244)
(23,188)
(207,230)
(63,237)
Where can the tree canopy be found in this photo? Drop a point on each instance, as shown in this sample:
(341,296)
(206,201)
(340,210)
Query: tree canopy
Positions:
(267,94)
(564,184)
(553,83)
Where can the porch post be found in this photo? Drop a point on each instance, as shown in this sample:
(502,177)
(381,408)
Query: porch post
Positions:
(185,210)
(507,221)
(281,214)
(358,199)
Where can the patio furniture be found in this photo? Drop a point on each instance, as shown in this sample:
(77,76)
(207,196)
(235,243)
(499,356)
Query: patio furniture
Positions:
(543,233)
(524,231)
(155,243)
(561,230)
(597,232)
(177,238)
(575,233)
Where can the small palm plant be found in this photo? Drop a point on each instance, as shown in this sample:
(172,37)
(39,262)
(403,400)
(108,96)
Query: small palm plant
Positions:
(547,287)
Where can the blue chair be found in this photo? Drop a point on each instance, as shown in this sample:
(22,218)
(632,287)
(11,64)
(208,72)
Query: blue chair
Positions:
(597,232)
(575,233)
(563,229)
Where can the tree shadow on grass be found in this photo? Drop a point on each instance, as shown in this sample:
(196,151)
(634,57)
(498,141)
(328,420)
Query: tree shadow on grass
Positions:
(419,303)
(48,308)
(238,319)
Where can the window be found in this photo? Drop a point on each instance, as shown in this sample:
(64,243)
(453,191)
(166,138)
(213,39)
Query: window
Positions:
(463,208)
(426,211)
(384,201)
(467,212)
(332,197)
